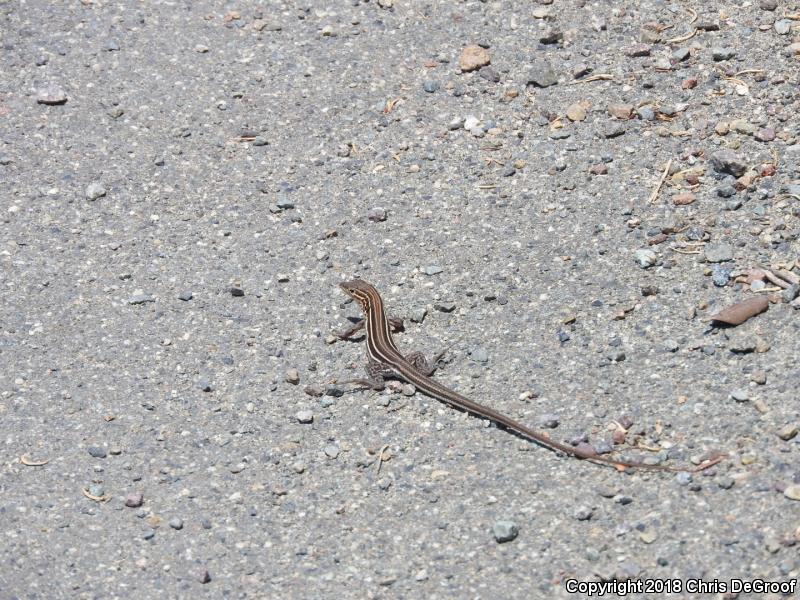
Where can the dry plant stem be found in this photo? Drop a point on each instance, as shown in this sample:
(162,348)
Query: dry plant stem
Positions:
(683,38)
(380,458)
(775,279)
(788,276)
(657,189)
(32,463)
(596,77)
(95,498)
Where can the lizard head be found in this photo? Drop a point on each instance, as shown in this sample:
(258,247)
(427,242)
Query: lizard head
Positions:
(360,291)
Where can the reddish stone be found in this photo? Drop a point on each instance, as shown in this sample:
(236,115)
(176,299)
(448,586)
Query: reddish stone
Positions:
(683,199)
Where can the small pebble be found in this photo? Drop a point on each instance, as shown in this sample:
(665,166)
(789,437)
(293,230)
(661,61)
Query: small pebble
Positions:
(783,26)
(51,95)
(541,74)
(576,112)
(727,162)
(639,50)
(134,500)
(680,55)
(292,376)
(646,258)
(683,199)
(186,295)
(305,416)
(719,53)
(97,490)
(646,113)
(471,123)
(551,36)
(788,432)
(648,536)
(758,377)
(331,451)
(432,270)
(203,576)
(548,421)
(584,513)
(725,190)
(376,214)
(719,252)
(707,25)
(97,451)
(720,275)
(95,190)
(479,355)
(456,123)
(489,74)
(726,482)
(506,531)
(792,491)
(740,395)
(621,111)
(671,345)
(445,307)
(791,292)
(236,291)
(473,57)
(140,297)
(767,134)
(176,523)
(430,86)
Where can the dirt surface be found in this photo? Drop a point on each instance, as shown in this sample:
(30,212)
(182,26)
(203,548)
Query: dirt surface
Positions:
(565,192)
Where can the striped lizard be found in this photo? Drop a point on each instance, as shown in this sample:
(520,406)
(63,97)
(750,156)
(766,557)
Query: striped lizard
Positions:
(385,360)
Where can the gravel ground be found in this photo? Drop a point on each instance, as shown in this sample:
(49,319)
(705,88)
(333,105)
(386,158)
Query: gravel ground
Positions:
(184,184)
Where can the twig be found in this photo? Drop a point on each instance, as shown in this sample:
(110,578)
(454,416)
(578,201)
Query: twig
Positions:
(775,279)
(642,446)
(746,71)
(595,77)
(380,458)
(390,104)
(32,463)
(683,38)
(679,251)
(775,159)
(767,290)
(657,189)
(102,498)
(693,13)
(788,276)
(708,463)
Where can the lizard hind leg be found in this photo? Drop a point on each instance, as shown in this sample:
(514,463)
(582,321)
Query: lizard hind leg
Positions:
(422,364)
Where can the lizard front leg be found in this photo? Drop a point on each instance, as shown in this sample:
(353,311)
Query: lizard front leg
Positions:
(376,376)
(394,322)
